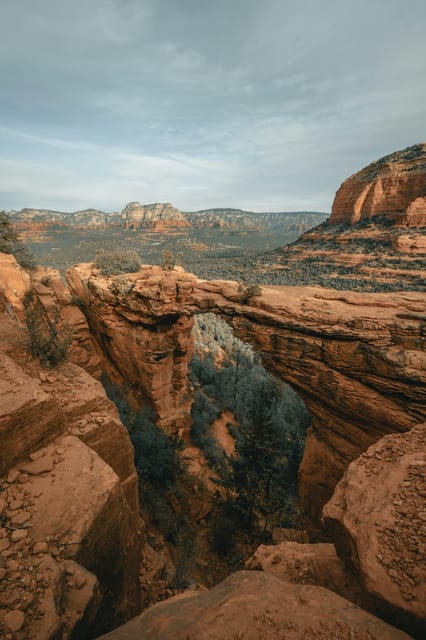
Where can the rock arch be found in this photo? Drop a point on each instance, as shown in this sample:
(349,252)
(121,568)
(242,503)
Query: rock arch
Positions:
(357,360)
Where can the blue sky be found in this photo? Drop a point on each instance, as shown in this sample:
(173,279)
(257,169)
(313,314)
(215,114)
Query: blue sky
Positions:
(265,105)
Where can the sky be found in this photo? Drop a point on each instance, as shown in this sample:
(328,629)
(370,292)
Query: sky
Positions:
(266,105)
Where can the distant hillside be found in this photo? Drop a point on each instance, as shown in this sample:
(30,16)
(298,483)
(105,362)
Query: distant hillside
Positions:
(91,218)
(158,215)
(286,221)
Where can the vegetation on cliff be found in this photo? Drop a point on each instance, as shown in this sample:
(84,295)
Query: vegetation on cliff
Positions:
(10,242)
(260,478)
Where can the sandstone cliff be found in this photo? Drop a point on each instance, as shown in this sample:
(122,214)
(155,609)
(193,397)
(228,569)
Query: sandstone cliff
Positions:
(393,187)
(357,360)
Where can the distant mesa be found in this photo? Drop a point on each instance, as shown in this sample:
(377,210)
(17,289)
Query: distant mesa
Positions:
(163,216)
(393,187)
(158,215)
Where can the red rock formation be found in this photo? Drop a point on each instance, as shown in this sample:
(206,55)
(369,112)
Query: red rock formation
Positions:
(358,360)
(138,322)
(249,605)
(72,498)
(315,564)
(393,187)
(14,283)
(377,518)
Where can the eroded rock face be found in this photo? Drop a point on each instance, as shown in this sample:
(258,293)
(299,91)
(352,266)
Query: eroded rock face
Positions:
(357,360)
(69,545)
(29,417)
(14,283)
(377,518)
(249,605)
(70,532)
(393,187)
(138,322)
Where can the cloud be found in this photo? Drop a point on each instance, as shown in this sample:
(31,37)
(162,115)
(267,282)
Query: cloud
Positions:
(263,105)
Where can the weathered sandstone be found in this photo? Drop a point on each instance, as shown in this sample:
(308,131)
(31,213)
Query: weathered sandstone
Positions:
(14,283)
(357,360)
(249,605)
(67,529)
(393,187)
(377,518)
(314,564)
(29,417)
(74,498)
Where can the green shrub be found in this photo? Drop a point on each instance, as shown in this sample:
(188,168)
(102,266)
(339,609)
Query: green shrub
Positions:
(114,263)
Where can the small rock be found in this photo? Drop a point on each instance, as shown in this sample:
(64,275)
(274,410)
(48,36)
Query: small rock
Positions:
(4,544)
(20,518)
(18,534)
(40,547)
(14,620)
(36,455)
(35,468)
(27,600)
(23,478)
(3,505)
(80,581)
(12,476)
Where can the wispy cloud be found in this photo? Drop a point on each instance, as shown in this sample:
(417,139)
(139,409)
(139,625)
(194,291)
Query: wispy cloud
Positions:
(264,105)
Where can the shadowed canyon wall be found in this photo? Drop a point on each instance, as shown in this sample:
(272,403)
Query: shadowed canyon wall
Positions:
(357,360)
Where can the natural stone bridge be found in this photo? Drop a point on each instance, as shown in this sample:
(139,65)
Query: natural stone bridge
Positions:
(357,360)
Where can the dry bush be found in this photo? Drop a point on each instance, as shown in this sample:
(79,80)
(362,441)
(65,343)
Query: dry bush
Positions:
(49,338)
(114,263)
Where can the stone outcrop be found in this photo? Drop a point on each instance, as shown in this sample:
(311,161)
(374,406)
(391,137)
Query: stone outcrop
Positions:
(314,564)
(14,284)
(66,513)
(377,518)
(393,187)
(139,325)
(159,215)
(252,605)
(70,532)
(357,360)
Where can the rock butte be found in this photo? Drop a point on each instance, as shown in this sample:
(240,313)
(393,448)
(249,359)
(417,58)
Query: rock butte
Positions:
(393,187)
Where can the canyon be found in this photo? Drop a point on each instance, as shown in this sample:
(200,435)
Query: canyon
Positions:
(73,548)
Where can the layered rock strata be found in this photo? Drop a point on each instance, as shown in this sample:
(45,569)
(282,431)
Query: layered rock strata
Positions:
(357,360)
(393,187)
